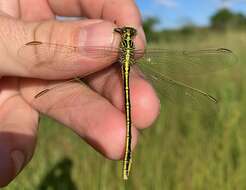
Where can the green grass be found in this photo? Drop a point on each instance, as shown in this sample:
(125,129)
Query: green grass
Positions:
(186,149)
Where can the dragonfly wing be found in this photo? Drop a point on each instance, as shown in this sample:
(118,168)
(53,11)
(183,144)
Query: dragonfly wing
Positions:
(178,92)
(52,55)
(178,64)
(174,73)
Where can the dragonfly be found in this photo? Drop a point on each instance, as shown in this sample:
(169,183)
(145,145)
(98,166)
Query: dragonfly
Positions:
(162,66)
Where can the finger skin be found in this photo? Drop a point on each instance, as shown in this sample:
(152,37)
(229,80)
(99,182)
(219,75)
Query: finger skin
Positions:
(18,121)
(120,12)
(32,61)
(10,8)
(87,113)
(35,10)
(16,136)
(115,11)
(145,105)
(100,121)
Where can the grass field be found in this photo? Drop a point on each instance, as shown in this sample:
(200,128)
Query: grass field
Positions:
(186,149)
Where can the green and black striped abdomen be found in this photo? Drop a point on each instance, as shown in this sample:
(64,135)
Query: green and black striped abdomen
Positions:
(127,59)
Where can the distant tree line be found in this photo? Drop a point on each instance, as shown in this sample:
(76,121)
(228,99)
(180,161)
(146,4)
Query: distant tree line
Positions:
(226,19)
(222,20)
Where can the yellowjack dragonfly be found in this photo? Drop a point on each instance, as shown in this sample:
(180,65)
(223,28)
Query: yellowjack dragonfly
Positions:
(162,66)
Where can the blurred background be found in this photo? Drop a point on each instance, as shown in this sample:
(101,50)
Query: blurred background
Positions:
(187,148)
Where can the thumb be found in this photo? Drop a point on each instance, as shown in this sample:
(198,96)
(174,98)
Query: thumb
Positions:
(55,49)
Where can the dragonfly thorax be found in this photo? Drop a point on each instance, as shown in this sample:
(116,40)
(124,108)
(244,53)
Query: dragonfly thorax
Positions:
(126,32)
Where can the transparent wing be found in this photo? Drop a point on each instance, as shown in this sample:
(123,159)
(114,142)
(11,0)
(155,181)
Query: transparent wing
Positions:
(178,64)
(178,92)
(170,72)
(53,55)
(164,66)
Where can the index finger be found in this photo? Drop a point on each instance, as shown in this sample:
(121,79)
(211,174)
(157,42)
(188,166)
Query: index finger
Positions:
(122,12)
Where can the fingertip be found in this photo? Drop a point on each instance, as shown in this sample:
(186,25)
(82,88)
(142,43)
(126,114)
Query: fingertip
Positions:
(108,138)
(130,10)
(14,155)
(119,155)
(6,167)
(142,37)
(17,139)
(145,104)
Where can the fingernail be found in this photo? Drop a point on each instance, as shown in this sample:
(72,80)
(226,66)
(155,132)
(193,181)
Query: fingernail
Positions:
(99,34)
(18,159)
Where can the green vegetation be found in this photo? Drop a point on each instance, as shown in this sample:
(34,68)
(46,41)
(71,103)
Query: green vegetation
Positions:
(225,19)
(186,149)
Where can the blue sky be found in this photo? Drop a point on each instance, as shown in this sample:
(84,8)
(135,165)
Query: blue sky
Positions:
(175,13)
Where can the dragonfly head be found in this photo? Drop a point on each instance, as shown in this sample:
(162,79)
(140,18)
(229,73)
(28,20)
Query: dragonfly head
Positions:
(126,31)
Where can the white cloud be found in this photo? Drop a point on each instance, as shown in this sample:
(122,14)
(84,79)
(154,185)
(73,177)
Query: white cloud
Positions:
(225,3)
(229,3)
(167,3)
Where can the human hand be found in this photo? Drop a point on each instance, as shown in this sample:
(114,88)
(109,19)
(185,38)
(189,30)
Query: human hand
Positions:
(95,111)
